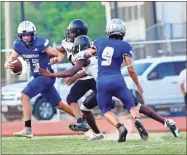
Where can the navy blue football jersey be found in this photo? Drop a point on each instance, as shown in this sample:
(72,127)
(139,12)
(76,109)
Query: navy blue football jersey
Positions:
(35,56)
(110,55)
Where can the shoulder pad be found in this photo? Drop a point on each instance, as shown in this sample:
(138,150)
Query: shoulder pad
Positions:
(67,45)
(16,44)
(42,43)
(80,56)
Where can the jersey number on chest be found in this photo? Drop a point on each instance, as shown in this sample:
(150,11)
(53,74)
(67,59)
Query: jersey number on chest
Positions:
(34,63)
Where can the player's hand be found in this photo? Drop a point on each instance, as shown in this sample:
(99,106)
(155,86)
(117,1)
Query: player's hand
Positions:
(71,80)
(140,90)
(54,60)
(9,65)
(44,72)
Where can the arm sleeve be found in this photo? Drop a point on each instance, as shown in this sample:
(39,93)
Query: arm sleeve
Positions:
(127,50)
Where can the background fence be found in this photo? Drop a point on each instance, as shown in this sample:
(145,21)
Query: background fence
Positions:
(157,48)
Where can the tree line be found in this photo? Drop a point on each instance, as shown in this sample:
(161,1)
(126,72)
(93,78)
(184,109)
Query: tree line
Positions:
(52,18)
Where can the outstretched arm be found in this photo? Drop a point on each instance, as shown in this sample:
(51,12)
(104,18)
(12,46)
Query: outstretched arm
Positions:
(58,56)
(90,52)
(77,76)
(61,49)
(68,73)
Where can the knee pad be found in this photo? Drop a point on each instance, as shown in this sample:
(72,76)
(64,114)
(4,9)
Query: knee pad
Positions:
(83,108)
(91,101)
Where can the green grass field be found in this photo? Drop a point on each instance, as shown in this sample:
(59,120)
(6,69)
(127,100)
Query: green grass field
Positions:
(158,143)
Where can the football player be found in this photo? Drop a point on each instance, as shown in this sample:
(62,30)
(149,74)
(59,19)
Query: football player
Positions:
(76,28)
(36,51)
(108,63)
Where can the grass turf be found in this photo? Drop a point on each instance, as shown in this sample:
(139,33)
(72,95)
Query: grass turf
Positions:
(158,143)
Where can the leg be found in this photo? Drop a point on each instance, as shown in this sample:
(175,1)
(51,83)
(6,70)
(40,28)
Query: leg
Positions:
(89,103)
(27,109)
(27,112)
(151,113)
(148,111)
(76,111)
(124,94)
(31,90)
(76,92)
(65,107)
(104,98)
(53,97)
(112,119)
(170,124)
(127,99)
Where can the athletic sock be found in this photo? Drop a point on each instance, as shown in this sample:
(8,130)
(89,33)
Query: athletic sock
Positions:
(118,125)
(28,123)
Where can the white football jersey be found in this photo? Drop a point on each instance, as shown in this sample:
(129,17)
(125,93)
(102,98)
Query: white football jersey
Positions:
(68,47)
(92,68)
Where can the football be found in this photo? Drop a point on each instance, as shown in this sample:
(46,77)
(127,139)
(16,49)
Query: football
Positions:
(17,66)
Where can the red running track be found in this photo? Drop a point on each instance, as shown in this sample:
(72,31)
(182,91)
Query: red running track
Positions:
(61,127)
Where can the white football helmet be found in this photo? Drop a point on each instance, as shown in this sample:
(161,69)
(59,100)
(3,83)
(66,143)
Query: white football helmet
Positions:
(27,27)
(116,27)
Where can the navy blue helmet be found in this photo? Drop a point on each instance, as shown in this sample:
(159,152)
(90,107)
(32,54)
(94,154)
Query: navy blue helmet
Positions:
(81,43)
(76,28)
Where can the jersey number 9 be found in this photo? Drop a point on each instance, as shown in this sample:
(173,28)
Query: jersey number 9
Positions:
(107,56)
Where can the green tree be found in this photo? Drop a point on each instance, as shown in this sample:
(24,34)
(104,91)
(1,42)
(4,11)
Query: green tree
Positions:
(52,23)
(52,18)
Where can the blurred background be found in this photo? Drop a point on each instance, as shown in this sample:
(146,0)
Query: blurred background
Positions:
(156,30)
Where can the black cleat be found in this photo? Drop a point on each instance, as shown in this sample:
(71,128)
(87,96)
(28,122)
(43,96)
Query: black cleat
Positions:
(122,133)
(142,131)
(79,127)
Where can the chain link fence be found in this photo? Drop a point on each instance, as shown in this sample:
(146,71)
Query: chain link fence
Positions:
(157,48)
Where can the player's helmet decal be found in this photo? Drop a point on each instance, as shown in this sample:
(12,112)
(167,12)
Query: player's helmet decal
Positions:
(27,27)
(78,27)
(81,43)
(115,27)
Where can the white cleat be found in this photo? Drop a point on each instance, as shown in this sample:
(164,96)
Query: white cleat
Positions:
(170,124)
(26,132)
(95,136)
